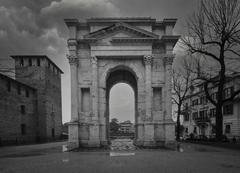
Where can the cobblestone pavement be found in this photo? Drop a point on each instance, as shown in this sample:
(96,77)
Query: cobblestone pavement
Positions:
(50,158)
(122,145)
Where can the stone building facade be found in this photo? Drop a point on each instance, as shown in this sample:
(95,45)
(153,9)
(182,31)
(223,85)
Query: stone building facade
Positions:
(126,127)
(201,116)
(106,51)
(45,112)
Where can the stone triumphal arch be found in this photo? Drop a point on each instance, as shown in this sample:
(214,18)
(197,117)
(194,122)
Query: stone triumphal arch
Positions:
(105,51)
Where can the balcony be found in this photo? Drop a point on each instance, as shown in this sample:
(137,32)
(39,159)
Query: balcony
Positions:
(202,120)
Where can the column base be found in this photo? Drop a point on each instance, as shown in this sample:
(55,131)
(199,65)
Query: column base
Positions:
(94,144)
(73,137)
(171,144)
(104,144)
(72,145)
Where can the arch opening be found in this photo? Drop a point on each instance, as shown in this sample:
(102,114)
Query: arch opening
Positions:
(119,80)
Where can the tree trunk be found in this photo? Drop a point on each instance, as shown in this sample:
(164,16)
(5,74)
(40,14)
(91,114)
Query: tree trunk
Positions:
(178,123)
(219,114)
(219,122)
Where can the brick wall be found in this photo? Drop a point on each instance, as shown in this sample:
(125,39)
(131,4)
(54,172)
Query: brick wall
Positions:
(11,117)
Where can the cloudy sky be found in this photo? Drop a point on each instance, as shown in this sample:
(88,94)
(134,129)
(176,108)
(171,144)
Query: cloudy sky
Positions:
(37,27)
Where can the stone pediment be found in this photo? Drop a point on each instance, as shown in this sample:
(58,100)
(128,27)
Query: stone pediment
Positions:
(121,31)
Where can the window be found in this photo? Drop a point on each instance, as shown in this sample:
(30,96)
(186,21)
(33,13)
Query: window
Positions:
(228,128)
(228,109)
(38,62)
(214,96)
(23,129)
(195,115)
(185,106)
(27,93)
(213,129)
(195,102)
(201,87)
(186,117)
(21,62)
(30,62)
(49,66)
(186,130)
(203,114)
(8,86)
(19,89)
(203,100)
(195,130)
(227,93)
(213,112)
(53,132)
(23,110)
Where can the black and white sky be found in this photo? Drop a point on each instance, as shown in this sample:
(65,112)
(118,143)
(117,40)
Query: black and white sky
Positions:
(37,27)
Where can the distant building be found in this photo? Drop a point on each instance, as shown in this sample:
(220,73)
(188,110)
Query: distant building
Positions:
(200,119)
(30,105)
(126,127)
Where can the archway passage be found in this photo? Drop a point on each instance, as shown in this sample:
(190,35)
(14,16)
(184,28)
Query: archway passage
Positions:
(116,76)
(122,103)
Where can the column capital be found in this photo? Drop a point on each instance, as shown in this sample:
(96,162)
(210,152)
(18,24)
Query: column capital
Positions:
(94,60)
(73,59)
(147,59)
(168,59)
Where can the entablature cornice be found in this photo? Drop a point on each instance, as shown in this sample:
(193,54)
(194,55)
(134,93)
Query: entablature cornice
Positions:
(119,26)
(120,40)
(134,40)
(173,38)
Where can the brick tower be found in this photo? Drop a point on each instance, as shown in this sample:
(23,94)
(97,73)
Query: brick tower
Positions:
(39,72)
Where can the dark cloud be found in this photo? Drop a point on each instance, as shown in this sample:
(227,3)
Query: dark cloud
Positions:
(33,26)
(37,26)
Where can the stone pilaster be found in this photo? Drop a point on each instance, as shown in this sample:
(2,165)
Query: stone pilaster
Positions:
(94,140)
(148,130)
(73,126)
(148,86)
(94,87)
(168,60)
(73,61)
(169,124)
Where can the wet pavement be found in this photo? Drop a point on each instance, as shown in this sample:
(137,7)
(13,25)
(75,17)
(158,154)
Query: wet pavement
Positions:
(123,157)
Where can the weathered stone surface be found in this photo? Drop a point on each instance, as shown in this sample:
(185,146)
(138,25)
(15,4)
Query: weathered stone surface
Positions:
(127,50)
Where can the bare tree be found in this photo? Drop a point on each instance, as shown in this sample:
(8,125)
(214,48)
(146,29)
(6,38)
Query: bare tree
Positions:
(182,83)
(214,34)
